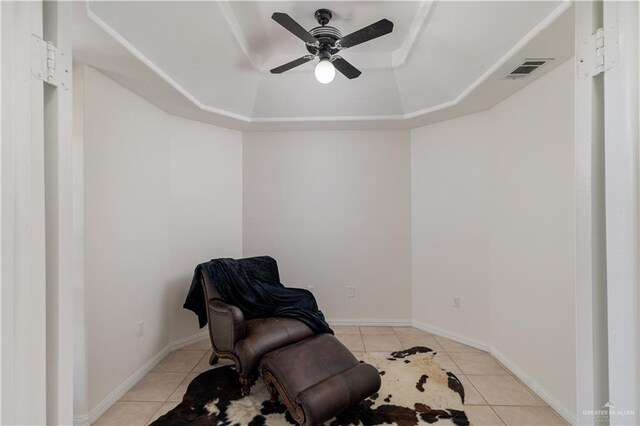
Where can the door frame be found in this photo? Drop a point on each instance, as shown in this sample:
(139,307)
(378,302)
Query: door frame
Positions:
(622,209)
(607,216)
(36,358)
(22,227)
(592,378)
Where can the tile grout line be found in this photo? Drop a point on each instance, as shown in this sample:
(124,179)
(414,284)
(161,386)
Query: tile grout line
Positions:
(497,415)
(500,417)
(474,387)
(149,419)
(554,412)
(398,338)
(465,376)
(526,388)
(509,373)
(172,392)
(521,406)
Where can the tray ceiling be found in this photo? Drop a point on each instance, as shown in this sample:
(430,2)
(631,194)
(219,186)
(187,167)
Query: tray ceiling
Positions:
(268,45)
(210,60)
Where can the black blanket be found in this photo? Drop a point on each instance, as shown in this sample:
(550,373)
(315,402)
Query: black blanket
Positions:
(253,285)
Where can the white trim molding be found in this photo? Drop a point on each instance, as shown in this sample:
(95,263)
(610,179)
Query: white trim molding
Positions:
(117,393)
(542,25)
(158,71)
(23,267)
(420,21)
(399,57)
(460,338)
(622,199)
(592,372)
(533,385)
(95,413)
(370,322)
(234,26)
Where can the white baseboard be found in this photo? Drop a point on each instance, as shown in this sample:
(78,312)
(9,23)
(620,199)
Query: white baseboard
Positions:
(469,341)
(117,393)
(183,343)
(535,386)
(371,322)
(82,420)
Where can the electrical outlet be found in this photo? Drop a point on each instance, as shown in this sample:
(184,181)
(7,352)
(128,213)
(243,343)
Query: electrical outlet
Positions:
(351,291)
(311,288)
(456,302)
(140,332)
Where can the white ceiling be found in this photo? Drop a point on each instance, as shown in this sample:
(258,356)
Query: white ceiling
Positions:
(269,45)
(210,60)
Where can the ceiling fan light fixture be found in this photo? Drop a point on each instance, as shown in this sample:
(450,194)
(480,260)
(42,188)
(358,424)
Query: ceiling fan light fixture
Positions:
(325,42)
(325,71)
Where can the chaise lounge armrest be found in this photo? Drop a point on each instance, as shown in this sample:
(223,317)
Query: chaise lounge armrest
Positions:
(227,324)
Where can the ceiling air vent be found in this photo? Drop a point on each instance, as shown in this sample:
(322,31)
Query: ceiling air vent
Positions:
(527,67)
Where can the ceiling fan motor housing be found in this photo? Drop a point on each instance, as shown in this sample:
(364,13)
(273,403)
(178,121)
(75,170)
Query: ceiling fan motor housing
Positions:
(327,37)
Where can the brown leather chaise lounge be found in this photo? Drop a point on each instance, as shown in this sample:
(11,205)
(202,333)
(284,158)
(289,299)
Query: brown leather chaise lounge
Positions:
(318,378)
(246,341)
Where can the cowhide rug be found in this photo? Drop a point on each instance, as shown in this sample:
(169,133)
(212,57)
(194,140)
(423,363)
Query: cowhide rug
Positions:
(415,390)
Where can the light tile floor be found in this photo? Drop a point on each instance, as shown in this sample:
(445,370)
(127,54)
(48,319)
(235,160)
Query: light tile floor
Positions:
(494,396)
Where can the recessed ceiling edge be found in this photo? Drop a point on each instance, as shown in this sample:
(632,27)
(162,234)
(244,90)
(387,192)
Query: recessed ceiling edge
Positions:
(400,118)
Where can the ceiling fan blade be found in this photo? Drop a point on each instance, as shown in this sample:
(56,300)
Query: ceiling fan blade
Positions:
(295,28)
(292,64)
(376,30)
(346,68)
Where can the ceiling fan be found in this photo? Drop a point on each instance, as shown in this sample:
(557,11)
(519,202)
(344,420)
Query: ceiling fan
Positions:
(325,42)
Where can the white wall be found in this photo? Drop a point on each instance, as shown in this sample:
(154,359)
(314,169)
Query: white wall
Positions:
(450,187)
(493,223)
(532,232)
(205,207)
(162,194)
(480,207)
(334,209)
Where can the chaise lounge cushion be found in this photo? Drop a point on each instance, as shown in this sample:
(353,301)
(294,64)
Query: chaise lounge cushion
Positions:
(265,335)
(318,378)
